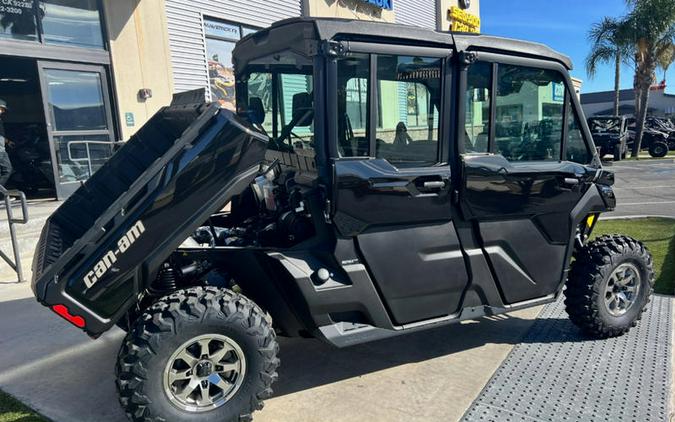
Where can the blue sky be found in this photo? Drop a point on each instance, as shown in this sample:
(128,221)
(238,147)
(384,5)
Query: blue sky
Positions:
(563,25)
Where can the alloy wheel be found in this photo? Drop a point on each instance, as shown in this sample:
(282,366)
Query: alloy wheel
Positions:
(204,373)
(622,290)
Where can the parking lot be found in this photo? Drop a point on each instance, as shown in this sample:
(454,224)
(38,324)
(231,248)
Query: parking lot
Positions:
(644,187)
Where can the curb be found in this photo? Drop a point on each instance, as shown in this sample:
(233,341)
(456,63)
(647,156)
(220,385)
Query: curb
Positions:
(635,216)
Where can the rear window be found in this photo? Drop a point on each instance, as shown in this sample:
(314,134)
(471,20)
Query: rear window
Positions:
(605,125)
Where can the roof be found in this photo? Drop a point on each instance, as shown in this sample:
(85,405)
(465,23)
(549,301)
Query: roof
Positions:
(607,96)
(297,30)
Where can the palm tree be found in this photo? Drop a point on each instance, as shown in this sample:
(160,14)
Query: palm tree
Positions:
(609,44)
(652,33)
(666,59)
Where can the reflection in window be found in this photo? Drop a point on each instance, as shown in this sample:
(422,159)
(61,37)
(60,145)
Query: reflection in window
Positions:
(72,22)
(409,96)
(76,100)
(530,106)
(478,97)
(577,149)
(17,20)
(353,106)
(80,156)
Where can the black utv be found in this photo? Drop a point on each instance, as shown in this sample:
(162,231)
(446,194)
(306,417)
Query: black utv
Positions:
(658,138)
(376,180)
(610,135)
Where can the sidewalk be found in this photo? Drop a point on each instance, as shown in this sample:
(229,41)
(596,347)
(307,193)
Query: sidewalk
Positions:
(427,376)
(27,235)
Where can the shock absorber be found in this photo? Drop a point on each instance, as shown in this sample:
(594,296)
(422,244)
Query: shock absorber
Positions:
(165,281)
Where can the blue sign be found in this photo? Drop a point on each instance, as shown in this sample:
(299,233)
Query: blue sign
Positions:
(558,92)
(382,4)
(129,117)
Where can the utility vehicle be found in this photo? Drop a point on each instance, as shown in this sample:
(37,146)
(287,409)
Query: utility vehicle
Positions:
(658,138)
(376,180)
(610,135)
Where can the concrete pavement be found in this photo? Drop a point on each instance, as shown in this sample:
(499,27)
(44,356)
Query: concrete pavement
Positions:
(644,187)
(427,376)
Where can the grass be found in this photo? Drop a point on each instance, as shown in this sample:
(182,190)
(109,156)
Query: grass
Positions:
(11,410)
(658,234)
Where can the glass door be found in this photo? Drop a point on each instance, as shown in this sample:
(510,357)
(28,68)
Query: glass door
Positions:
(79,121)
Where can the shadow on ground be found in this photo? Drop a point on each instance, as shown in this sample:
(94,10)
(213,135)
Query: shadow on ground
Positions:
(56,369)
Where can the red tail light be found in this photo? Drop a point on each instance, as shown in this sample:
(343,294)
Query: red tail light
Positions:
(77,321)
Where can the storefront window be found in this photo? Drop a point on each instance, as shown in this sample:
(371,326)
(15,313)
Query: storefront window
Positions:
(72,22)
(17,20)
(76,100)
(221,38)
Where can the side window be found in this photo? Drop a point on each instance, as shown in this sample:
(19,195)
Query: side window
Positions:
(577,149)
(353,106)
(530,105)
(409,91)
(478,97)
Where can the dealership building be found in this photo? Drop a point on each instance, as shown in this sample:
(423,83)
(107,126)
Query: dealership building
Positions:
(81,75)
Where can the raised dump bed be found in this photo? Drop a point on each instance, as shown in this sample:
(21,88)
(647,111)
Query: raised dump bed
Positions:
(101,245)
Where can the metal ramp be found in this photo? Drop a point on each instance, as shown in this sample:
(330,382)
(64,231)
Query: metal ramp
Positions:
(558,374)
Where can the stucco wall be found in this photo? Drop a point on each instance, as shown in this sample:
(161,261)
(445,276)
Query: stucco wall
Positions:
(140,58)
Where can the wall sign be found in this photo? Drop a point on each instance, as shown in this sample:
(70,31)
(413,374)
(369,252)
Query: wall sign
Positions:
(463,21)
(129,119)
(558,92)
(382,4)
(221,30)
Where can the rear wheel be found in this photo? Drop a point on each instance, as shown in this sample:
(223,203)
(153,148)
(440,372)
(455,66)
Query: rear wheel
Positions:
(202,354)
(610,283)
(658,149)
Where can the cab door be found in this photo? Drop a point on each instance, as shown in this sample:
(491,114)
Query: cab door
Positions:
(525,168)
(392,183)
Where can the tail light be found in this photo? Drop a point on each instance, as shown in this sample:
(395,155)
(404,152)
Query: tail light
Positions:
(63,311)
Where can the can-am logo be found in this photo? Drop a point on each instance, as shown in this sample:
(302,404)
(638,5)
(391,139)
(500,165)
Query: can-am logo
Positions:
(109,259)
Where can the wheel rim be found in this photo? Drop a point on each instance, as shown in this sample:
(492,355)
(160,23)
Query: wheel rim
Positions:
(204,373)
(622,290)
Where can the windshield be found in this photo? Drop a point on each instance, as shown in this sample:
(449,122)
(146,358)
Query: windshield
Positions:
(605,125)
(276,95)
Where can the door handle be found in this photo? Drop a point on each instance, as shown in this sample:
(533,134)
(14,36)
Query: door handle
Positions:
(572,181)
(434,184)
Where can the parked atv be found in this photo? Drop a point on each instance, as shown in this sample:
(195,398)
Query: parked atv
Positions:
(610,135)
(334,212)
(657,138)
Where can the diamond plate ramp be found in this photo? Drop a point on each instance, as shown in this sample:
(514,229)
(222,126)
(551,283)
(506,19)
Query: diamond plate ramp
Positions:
(558,374)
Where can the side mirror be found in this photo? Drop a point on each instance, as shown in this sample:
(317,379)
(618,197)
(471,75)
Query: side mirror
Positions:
(303,110)
(256,111)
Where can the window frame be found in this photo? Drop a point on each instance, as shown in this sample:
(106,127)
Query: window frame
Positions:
(372,120)
(498,59)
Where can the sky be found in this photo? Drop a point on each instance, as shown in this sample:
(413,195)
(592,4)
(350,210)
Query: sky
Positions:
(563,25)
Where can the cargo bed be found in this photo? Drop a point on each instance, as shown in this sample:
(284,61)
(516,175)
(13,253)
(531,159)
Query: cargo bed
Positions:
(101,247)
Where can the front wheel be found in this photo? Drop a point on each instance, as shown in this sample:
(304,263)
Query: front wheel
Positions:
(658,149)
(609,286)
(201,354)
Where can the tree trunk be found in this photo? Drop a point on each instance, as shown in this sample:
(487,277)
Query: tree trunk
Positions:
(644,78)
(617,84)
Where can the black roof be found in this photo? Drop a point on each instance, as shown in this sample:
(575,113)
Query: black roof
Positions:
(294,33)
(607,96)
